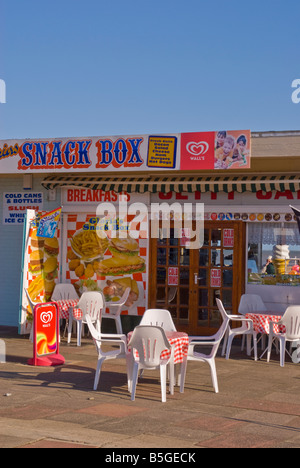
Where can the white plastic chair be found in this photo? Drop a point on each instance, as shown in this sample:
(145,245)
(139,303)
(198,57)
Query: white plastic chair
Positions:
(171,296)
(158,317)
(64,291)
(32,306)
(149,342)
(113,340)
(252,303)
(246,329)
(207,341)
(291,322)
(91,303)
(115,310)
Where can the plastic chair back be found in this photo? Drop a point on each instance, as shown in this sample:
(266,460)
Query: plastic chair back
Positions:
(291,321)
(221,332)
(96,335)
(149,342)
(30,302)
(116,307)
(251,303)
(160,318)
(64,291)
(91,303)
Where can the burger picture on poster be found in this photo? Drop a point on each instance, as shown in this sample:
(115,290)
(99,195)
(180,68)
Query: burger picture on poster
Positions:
(42,267)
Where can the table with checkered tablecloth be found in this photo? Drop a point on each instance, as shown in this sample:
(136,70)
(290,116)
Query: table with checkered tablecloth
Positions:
(64,307)
(261,321)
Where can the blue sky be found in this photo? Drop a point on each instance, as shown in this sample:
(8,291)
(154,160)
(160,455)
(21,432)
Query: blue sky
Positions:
(121,67)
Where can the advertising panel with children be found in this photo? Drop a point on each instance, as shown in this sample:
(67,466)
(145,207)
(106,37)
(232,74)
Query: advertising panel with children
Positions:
(216,150)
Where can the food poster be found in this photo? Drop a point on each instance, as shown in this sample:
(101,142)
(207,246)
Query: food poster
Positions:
(40,267)
(109,265)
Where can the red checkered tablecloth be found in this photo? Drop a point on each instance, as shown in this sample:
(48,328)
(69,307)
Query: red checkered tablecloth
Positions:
(65,304)
(180,340)
(261,322)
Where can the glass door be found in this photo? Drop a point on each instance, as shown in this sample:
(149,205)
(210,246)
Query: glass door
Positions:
(172,276)
(187,282)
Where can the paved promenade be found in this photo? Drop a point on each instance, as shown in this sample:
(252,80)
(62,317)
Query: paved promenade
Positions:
(258,404)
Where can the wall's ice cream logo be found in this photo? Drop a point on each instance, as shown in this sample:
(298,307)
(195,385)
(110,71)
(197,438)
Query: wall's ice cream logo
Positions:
(197,149)
(46,317)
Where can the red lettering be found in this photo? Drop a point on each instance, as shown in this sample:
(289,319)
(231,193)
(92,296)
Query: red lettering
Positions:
(287,194)
(261,195)
(70,195)
(76,195)
(89,196)
(179,196)
(96,195)
(165,196)
(114,196)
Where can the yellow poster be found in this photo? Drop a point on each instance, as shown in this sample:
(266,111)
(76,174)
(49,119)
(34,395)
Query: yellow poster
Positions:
(162,151)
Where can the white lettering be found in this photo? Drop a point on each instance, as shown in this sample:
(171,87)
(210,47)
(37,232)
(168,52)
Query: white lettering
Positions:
(115,458)
(296,93)
(2,92)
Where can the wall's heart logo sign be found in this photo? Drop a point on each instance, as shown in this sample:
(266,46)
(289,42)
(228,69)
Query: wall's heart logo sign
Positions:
(196,149)
(46,317)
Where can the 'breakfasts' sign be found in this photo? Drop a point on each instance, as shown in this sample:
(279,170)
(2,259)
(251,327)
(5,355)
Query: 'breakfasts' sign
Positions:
(181,151)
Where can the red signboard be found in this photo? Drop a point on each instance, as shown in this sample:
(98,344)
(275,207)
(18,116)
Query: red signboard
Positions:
(46,336)
(173,276)
(228,238)
(215,278)
(197,150)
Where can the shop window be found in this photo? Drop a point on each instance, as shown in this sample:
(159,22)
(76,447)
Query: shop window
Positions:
(273,254)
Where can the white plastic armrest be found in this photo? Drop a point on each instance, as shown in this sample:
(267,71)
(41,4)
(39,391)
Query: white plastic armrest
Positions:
(112,337)
(201,343)
(271,324)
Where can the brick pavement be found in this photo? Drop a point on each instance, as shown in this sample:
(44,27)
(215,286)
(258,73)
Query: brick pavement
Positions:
(258,405)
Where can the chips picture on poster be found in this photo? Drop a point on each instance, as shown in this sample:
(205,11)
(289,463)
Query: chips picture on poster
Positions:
(106,264)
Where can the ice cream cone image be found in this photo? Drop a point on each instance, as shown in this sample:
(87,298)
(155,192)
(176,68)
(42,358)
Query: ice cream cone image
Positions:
(280,265)
(281,258)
